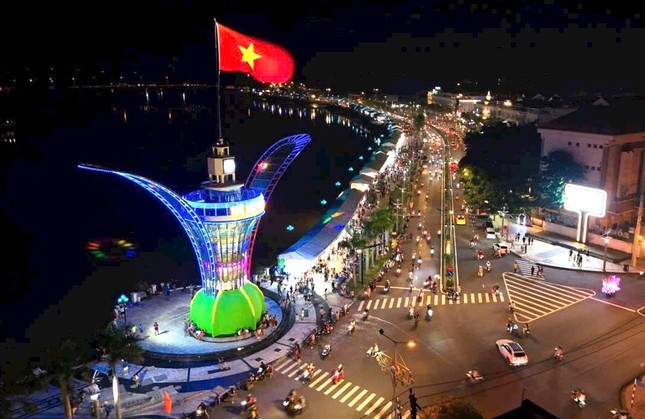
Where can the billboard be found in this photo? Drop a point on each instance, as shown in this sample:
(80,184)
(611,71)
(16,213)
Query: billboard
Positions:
(581,199)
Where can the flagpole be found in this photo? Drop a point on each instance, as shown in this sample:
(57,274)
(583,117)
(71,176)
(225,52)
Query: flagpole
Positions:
(217,84)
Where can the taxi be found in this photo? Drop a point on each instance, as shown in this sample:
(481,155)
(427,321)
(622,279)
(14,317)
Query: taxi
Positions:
(460,219)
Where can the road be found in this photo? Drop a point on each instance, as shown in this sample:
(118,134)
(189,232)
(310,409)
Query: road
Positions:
(601,339)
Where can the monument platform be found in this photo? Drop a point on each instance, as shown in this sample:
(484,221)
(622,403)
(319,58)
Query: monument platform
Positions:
(173,347)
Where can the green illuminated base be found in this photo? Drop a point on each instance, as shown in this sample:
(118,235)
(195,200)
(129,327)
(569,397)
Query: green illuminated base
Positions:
(228,311)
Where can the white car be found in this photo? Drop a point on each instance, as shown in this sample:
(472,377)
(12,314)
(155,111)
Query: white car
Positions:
(490,233)
(512,352)
(501,248)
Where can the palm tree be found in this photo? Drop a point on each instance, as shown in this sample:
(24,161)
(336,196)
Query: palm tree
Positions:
(383,221)
(62,360)
(117,345)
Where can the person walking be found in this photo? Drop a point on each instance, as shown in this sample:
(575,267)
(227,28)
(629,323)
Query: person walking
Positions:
(532,270)
(515,266)
(570,254)
(156,327)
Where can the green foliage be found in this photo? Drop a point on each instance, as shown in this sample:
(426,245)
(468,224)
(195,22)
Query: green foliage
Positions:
(558,169)
(419,121)
(501,161)
(452,409)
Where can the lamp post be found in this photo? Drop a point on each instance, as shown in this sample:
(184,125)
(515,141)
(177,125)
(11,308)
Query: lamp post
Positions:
(360,264)
(409,344)
(604,259)
(503,211)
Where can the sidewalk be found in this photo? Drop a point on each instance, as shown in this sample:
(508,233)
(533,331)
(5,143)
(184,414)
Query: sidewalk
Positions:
(552,250)
(632,398)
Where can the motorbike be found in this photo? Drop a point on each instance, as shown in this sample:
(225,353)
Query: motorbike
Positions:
(480,255)
(488,266)
(526,331)
(578,397)
(432,252)
(619,414)
(338,375)
(410,313)
(249,403)
(386,288)
(474,377)
(366,314)
(480,271)
(398,272)
(351,327)
(325,351)
(558,354)
(296,407)
(415,321)
(429,313)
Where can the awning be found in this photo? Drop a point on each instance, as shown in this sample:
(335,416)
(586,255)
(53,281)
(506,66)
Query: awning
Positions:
(327,230)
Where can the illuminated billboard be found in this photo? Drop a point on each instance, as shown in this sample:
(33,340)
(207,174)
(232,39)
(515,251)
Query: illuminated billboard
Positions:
(581,199)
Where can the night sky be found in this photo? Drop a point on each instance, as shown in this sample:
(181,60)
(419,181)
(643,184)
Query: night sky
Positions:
(395,46)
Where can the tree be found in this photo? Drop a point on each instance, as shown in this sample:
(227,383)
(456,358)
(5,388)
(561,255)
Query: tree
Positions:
(381,222)
(452,409)
(558,169)
(117,345)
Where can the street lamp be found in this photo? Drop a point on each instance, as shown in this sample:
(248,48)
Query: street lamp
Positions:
(393,368)
(360,264)
(604,259)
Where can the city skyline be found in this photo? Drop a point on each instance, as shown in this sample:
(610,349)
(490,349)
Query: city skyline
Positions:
(402,47)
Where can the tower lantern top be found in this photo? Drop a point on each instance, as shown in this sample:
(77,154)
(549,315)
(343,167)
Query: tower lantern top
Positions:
(221,164)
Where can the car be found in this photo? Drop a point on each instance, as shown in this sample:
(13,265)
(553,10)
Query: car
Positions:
(512,352)
(460,220)
(490,233)
(501,248)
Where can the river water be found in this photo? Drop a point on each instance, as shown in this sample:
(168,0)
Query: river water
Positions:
(54,215)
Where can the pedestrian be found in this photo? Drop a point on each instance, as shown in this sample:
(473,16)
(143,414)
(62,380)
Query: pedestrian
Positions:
(156,327)
(532,270)
(541,271)
(186,327)
(107,408)
(587,254)
(515,266)
(570,254)
(325,293)
(517,237)
(136,380)
(302,314)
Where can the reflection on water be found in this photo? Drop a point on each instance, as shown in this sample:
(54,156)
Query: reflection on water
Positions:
(54,209)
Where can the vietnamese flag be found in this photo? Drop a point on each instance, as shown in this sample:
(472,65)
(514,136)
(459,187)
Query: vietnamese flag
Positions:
(264,61)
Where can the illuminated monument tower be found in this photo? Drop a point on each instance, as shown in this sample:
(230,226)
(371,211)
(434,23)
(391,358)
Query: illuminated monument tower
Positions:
(221,220)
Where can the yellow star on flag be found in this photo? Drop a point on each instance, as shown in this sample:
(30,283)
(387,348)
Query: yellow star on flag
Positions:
(248,55)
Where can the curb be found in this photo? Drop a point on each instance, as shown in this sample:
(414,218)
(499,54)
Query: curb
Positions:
(524,256)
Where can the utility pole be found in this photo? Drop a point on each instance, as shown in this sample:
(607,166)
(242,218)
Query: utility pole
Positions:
(637,233)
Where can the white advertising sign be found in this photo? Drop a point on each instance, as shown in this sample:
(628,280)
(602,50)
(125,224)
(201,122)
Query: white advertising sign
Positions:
(585,200)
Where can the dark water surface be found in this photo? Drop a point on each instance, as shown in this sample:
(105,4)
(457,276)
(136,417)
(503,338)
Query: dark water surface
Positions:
(50,210)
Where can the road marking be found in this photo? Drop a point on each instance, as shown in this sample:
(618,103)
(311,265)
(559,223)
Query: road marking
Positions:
(374,406)
(297,370)
(612,304)
(369,303)
(349,393)
(324,384)
(339,392)
(357,398)
(375,304)
(392,300)
(406,301)
(362,405)
(317,380)
(360,306)
(282,371)
(334,387)
(487,297)
(384,410)
(443,299)
(479,297)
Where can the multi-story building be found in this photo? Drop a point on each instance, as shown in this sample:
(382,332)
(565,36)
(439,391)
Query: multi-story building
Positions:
(609,142)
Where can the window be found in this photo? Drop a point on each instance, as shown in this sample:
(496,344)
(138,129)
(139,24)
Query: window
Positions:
(404,49)
(569,143)
(587,167)
(588,145)
(577,144)
(600,146)
(595,146)
(417,49)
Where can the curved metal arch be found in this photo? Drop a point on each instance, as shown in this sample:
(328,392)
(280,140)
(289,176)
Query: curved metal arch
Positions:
(184,213)
(268,170)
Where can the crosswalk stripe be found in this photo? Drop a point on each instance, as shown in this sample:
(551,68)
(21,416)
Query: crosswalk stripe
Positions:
(436,300)
(367,400)
(284,370)
(406,301)
(369,303)
(360,306)
(406,415)
(376,304)
(357,398)
(333,387)
(324,384)
(339,392)
(297,370)
(398,303)
(384,410)
(487,295)
(392,300)
(494,298)
(349,393)
(317,380)
(374,406)
(443,299)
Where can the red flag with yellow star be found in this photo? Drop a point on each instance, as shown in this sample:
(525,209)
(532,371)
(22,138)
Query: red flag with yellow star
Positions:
(264,61)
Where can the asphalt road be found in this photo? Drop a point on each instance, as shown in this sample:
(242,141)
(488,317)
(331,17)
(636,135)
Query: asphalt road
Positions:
(602,340)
